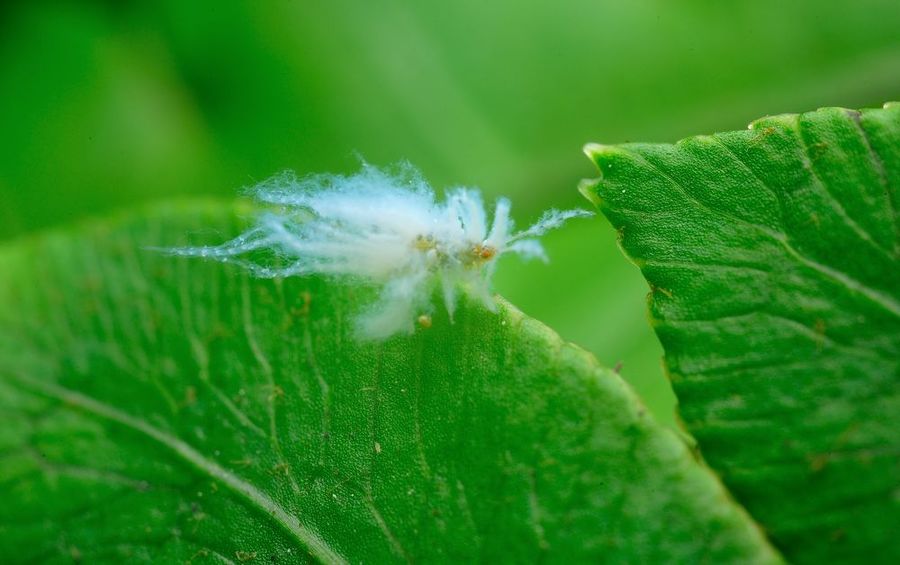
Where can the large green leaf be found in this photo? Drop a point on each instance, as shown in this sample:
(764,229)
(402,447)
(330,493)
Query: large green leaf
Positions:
(773,258)
(170,409)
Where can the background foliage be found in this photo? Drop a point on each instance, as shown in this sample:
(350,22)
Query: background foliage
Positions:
(105,104)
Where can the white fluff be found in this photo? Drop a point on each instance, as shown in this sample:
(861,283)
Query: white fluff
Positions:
(386,228)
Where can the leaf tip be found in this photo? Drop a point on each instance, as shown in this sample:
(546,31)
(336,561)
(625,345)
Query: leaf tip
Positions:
(770,124)
(598,154)
(594,149)
(587,188)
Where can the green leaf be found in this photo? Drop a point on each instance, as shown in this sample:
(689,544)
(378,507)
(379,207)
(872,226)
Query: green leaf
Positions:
(173,409)
(773,258)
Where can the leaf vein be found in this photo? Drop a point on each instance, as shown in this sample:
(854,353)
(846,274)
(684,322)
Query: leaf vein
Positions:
(254,497)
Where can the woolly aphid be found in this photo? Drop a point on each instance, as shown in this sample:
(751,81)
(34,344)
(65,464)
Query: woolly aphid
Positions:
(386,228)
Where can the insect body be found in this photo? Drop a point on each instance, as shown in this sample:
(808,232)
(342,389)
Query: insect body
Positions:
(385,228)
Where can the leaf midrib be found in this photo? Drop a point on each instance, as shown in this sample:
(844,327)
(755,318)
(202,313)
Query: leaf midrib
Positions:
(315,545)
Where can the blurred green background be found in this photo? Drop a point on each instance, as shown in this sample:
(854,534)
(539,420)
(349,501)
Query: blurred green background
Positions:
(107,104)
